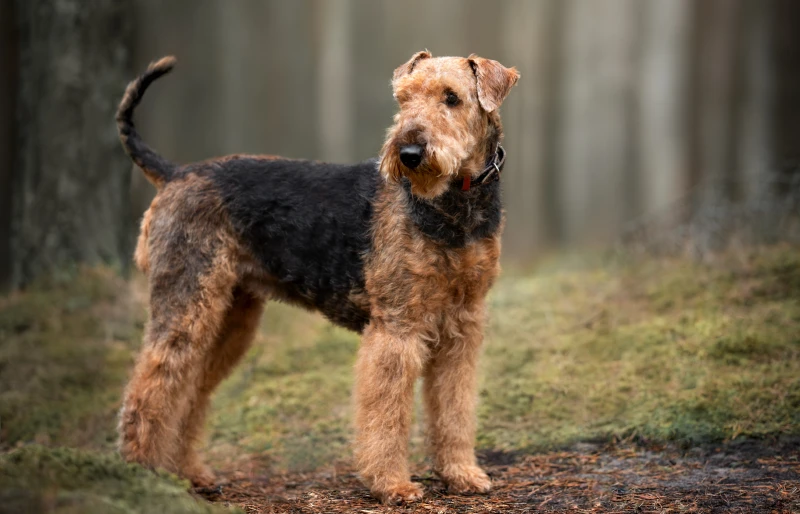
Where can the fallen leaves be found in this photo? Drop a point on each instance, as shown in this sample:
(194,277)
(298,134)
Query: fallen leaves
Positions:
(754,478)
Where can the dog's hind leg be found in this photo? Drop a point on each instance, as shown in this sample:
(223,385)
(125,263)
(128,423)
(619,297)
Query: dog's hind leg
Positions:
(192,278)
(238,329)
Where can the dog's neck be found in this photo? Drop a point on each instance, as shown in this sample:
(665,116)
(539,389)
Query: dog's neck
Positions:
(456,217)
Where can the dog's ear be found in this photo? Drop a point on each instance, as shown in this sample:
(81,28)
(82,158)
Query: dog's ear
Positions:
(408,67)
(494,81)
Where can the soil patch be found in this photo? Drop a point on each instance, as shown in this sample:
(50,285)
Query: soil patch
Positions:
(746,476)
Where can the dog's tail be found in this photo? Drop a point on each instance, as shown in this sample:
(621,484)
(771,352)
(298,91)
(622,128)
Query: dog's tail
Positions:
(157,169)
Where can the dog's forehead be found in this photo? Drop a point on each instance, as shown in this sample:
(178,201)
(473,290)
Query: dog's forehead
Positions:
(444,65)
(454,72)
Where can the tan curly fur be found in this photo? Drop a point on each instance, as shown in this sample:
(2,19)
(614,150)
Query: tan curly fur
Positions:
(424,297)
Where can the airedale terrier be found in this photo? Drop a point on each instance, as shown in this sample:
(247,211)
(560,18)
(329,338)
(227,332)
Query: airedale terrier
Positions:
(402,249)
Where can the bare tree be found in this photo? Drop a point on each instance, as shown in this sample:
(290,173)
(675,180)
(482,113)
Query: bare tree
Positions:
(599,54)
(663,151)
(70,179)
(334,83)
(8,84)
(785,45)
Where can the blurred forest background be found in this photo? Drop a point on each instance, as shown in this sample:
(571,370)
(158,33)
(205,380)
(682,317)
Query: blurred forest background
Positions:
(631,115)
(667,126)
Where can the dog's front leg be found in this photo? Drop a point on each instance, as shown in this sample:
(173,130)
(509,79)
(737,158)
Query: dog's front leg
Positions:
(387,367)
(450,397)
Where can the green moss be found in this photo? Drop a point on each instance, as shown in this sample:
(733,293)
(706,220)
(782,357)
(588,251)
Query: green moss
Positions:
(290,399)
(665,350)
(62,480)
(66,350)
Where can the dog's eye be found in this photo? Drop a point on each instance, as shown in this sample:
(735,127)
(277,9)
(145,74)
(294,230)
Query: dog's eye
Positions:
(451,99)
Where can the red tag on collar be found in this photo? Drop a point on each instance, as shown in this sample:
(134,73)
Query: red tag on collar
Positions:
(465,184)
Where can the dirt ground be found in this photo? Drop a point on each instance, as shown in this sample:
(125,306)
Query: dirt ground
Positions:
(742,476)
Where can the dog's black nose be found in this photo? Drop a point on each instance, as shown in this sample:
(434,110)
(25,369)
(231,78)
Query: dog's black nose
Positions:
(411,155)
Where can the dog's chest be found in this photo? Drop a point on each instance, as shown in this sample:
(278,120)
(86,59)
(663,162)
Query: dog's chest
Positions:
(467,273)
(413,276)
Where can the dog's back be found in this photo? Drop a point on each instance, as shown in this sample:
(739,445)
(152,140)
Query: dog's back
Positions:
(308,225)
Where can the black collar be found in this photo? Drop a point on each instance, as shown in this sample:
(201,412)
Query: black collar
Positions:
(490,173)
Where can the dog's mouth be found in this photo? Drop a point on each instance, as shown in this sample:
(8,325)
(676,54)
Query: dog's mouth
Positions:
(412,155)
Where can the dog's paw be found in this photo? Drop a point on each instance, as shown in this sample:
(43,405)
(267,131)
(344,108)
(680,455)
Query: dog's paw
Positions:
(402,493)
(466,479)
(201,476)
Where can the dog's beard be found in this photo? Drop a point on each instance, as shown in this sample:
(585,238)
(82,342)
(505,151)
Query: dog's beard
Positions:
(430,179)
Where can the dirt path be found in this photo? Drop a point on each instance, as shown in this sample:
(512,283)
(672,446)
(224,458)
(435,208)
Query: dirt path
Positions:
(745,476)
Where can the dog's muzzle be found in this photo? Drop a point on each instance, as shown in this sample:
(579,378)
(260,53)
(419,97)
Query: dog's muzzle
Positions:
(411,155)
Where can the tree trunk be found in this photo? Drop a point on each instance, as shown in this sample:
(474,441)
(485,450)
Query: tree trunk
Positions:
(663,144)
(599,54)
(8,88)
(717,25)
(785,48)
(335,79)
(529,30)
(71,178)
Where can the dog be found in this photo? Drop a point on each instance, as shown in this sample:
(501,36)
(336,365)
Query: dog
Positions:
(402,249)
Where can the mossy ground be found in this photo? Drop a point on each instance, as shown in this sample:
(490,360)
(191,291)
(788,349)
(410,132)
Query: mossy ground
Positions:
(661,350)
(34,478)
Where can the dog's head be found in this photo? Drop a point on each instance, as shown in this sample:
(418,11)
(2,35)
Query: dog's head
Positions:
(448,119)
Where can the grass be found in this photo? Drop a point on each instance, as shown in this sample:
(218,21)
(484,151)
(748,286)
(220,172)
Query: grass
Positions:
(665,350)
(66,348)
(64,480)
